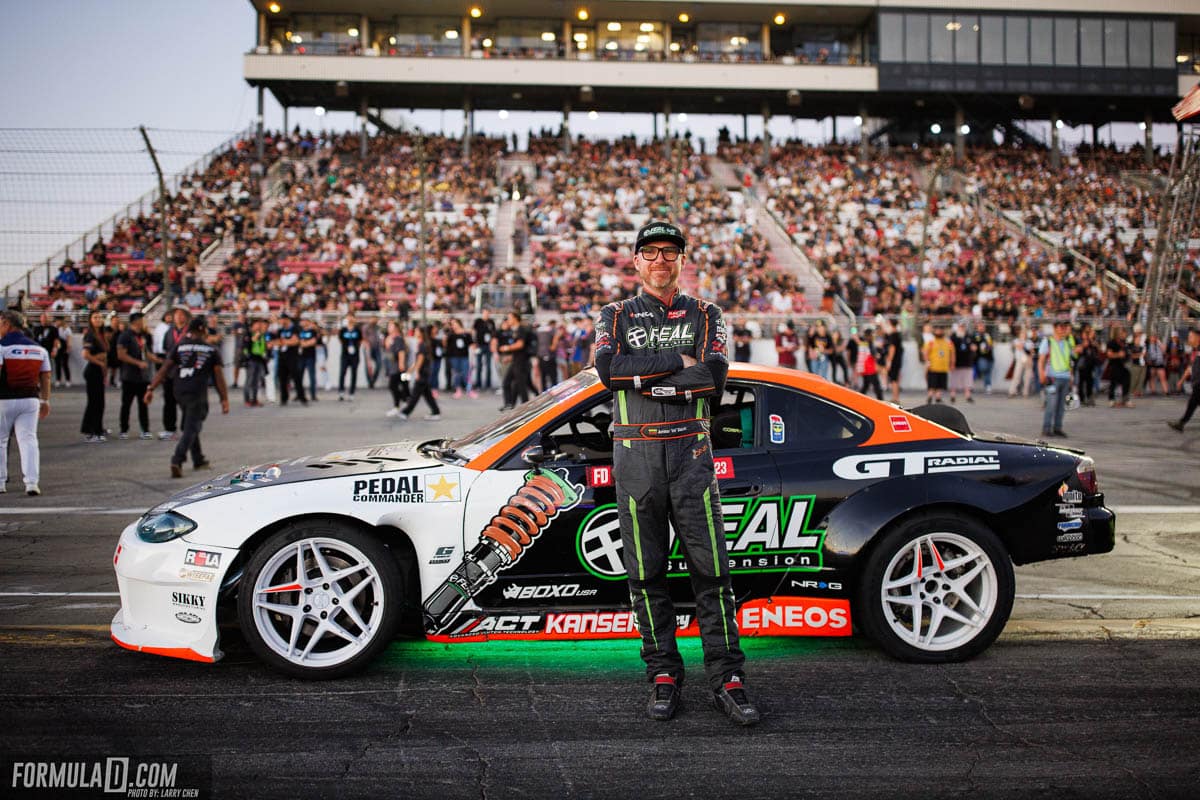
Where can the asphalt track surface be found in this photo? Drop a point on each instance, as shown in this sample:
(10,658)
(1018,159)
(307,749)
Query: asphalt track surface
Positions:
(1091,692)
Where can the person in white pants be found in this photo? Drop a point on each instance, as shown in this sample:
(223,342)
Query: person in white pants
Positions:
(24,397)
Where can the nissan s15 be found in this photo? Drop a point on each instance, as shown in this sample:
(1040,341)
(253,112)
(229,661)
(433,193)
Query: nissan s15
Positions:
(841,513)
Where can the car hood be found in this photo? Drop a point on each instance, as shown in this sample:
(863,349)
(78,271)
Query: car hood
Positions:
(339,464)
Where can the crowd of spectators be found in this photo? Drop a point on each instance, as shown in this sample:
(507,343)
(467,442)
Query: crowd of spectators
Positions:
(582,227)
(862,225)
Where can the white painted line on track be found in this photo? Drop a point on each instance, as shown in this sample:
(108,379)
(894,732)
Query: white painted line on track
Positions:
(60,594)
(20,512)
(16,512)
(1108,596)
(1156,509)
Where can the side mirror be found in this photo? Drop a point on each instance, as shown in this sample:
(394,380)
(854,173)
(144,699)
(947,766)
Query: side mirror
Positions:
(534,455)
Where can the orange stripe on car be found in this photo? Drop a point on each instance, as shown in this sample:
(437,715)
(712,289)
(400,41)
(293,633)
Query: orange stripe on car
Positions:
(878,412)
(185,653)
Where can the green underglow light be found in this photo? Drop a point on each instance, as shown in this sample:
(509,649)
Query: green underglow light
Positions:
(587,656)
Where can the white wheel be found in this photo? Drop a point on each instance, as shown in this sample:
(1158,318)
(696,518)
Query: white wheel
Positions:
(318,600)
(939,587)
(939,592)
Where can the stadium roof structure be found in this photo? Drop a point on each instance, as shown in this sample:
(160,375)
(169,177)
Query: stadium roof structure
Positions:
(1082,61)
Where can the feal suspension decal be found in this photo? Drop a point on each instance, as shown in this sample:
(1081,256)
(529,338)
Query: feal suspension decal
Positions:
(765,534)
(503,541)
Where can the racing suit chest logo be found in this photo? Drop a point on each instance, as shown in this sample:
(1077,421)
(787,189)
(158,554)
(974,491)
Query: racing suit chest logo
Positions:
(661,337)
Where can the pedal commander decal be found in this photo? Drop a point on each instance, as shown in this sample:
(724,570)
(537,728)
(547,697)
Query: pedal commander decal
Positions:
(435,487)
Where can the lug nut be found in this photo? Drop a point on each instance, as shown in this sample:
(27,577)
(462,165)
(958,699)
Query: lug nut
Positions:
(307,609)
(325,586)
(308,590)
(335,601)
(324,614)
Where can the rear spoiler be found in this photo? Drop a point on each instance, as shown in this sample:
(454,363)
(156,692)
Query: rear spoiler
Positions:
(946,416)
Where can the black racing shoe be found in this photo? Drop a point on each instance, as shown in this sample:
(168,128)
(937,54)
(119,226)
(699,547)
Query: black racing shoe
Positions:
(1175,425)
(664,698)
(733,699)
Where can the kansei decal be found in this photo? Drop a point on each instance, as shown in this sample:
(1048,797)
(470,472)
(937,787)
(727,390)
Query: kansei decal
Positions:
(766,534)
(503,541)
(900,424)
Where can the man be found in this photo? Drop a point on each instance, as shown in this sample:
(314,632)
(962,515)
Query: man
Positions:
(310,337)
(193,363)
(820,348)
(134,357)
(46,336)
(741,344)
(516,345)
(458,352)
(1118,375)
(172,335)
(547,345)
(663,355)
(894,358)
(24,398)
(485,332)
(963,376)
(1192,372)
(786,345)
(939,360)
(350,336)
(287,344)
(985,358)
(254,356)
(1054,371)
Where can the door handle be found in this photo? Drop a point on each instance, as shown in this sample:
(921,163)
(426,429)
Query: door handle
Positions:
(743,490)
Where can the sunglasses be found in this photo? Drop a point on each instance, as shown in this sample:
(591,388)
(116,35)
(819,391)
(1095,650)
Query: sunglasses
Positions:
(651,252)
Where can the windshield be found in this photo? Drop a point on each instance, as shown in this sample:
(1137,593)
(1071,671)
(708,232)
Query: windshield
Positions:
(479,440)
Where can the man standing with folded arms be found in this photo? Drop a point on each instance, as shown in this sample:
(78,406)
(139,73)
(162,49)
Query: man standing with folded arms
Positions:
(662,354)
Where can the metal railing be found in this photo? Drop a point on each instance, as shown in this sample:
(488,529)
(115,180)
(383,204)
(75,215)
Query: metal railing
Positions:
(107,227)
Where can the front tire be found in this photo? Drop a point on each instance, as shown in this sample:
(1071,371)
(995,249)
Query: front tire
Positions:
(937,588)
(320,599)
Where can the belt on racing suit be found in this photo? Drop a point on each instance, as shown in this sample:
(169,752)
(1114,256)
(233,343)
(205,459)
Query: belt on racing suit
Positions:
(657,431)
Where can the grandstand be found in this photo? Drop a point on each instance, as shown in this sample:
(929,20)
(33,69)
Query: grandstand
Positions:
(1015,226)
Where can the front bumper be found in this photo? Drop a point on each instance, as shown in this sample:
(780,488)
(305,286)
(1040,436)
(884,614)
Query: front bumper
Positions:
(168,596)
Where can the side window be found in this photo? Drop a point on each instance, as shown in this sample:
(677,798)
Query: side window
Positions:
(583,437)
(812,423)
(733,417)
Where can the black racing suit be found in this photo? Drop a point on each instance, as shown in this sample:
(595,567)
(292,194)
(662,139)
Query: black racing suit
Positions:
(663,466)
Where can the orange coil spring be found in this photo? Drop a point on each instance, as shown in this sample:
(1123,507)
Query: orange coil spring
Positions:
(525,515)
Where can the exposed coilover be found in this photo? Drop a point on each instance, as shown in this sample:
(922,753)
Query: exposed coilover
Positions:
(502,542)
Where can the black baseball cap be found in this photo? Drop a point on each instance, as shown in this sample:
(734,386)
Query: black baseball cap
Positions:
(656,230)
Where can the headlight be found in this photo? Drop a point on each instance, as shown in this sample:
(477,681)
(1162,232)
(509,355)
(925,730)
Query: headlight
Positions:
(164,527)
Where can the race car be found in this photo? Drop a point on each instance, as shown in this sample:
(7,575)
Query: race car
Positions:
(840,513)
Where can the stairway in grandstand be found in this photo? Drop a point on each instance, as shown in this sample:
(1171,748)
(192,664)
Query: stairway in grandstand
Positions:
(273,191)
(504,252)
(788,256)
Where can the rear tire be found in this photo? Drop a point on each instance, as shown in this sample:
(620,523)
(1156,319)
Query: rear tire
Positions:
(937,588)
(320,599)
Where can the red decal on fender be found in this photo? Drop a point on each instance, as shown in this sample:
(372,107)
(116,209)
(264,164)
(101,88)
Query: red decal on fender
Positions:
(599,476)
(723,468)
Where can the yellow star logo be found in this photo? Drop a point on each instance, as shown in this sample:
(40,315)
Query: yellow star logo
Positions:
(443,488)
